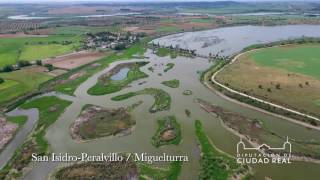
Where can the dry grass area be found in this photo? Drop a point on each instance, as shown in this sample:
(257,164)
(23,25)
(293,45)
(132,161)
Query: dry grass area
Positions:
(74,60)
(276,85)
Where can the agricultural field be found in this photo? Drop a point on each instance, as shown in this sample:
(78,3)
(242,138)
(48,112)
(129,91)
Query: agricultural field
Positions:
(12,27)
(20,82)
(36,48)
(287,75)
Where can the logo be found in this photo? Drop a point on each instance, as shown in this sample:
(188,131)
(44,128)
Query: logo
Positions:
(263,154)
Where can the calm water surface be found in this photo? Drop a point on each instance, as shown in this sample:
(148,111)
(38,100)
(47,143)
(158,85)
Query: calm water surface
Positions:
(186,70)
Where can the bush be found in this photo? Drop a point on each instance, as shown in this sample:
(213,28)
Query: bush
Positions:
(7,68)
(39,62)
(49,67)
(1,80)
(120,46)
(23,63)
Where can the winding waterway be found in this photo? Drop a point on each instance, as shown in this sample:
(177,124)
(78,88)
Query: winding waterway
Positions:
(186,70)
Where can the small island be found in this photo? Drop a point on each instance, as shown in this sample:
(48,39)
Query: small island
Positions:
(96,122)
(162,99)
(168,132)
(175,83)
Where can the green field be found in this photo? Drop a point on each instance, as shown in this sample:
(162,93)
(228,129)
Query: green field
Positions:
(69,87)
(287,75)
(167,29)
(35,48)
(20,82)
(35,52)
(303,59)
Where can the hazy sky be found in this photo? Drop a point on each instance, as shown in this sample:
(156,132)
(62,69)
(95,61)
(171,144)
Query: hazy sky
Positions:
(43,1)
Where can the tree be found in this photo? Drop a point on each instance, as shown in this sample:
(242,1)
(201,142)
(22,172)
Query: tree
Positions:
(1,80)
(7,68)
(39,62)
(49,67)
(23,63)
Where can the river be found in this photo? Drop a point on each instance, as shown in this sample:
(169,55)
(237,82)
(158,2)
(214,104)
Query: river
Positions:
(186,70)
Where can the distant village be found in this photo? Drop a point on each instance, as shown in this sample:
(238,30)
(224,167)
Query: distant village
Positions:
(116,41)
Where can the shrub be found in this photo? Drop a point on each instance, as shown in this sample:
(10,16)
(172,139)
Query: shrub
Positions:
(7,68)
(39,62)
(1,80)
(49,67)
(23,63)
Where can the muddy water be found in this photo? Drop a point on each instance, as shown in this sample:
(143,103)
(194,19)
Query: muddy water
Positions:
(32,116)
(230,40)
(139,141)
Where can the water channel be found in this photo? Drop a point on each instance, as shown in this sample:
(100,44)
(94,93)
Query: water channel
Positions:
(233,39)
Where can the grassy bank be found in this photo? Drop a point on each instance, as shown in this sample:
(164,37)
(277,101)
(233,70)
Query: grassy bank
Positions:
(106,85)
(150,172)
(162,99)
(168,132)
(215,164)
(50,108)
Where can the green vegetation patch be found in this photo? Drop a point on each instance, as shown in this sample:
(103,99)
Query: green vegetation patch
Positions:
(168,67)
(168,132)
(106,85)
(20,82)
(99,170)
(162,99)
(167,29)
(175,83)
(162,52)
(214,163)
(150,172)
(187,92)
(36,52)
(20,120)
(33,48)
(65,85)
(50,108)
(96,122)
(303,59)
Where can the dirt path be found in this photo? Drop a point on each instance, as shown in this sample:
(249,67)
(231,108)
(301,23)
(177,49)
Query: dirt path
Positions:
(254,98)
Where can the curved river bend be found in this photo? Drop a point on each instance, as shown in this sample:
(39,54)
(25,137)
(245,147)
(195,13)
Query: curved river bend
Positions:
(230,40)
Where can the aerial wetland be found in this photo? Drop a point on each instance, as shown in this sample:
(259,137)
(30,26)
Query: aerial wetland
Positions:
(132,108)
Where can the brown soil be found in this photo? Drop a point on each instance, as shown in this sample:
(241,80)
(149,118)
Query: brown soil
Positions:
(74,60)
(76,75)
(7,130)
(168,135)
(20,34)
